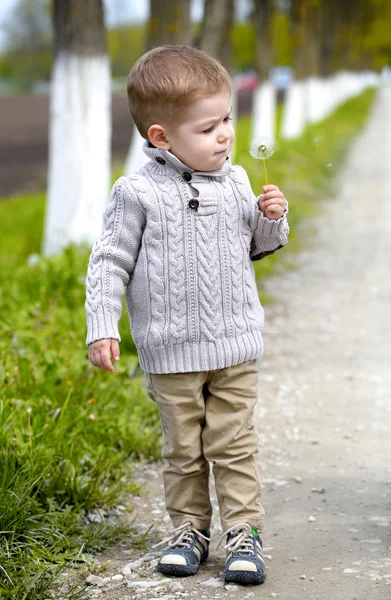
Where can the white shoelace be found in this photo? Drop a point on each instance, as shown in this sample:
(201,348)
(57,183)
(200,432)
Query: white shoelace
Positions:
(182,536)
(241,539)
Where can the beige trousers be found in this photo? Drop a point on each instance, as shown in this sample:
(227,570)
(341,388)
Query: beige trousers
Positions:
(206,418)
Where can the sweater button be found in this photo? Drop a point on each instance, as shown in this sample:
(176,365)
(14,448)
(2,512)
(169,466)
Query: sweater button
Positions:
(194,203)
(160,160)
(186,176)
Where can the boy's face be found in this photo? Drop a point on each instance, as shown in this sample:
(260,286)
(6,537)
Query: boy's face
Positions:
(204,139)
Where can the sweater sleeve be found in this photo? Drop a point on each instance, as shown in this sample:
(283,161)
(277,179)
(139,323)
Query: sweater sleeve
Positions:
(112,261)
(267,235)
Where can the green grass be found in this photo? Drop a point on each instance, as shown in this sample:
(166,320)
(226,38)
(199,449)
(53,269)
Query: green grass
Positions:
(69,433)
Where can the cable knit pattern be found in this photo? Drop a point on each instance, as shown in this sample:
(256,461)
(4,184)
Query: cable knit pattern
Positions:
(174,212)
(209,290)
(233,223)
(186,268)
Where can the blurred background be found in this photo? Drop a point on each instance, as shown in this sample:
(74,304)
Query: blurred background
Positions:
(278,40)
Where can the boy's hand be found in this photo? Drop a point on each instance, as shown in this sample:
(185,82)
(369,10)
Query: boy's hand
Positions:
(272,202)
(99,353)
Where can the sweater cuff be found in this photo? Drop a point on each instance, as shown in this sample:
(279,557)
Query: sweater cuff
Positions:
(273,228)
(101,326)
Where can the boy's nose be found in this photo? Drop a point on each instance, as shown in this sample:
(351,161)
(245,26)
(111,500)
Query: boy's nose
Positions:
(223,136)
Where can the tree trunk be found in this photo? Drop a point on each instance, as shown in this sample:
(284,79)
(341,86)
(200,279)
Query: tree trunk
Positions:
(262,18)
(80,127)
(169,23)
(306,24)
(216,30)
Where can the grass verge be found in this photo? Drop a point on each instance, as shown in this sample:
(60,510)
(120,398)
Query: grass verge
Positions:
(70,433)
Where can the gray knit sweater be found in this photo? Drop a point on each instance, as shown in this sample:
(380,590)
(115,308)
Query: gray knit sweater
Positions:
(181,244)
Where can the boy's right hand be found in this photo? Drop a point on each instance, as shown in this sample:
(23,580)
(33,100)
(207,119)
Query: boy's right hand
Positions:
(100,352)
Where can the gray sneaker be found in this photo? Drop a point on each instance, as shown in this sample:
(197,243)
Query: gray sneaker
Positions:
(245,563)
(187,549)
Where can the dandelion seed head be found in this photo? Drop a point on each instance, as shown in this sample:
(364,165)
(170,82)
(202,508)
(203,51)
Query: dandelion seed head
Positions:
(261,148)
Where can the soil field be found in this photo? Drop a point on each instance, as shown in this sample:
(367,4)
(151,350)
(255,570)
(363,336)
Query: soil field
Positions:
(24,139)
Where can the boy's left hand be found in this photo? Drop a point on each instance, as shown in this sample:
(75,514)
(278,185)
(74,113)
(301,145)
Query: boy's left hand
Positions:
(272,202)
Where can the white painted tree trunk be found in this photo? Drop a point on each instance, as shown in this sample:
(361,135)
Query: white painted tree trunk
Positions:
(264,112)
(315,99)
(136,157)
(79,150)
(294,116)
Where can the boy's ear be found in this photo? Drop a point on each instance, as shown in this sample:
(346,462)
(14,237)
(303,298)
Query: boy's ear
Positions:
(157,137)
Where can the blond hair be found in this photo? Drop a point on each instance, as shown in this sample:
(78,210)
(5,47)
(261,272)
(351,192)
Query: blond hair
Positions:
(165,80)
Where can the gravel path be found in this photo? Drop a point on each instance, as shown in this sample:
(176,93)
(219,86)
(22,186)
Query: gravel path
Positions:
(324,414)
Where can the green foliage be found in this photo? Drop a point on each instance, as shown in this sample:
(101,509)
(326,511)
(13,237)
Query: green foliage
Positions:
(243,41)
(125,46)
(282,39)
(28,55)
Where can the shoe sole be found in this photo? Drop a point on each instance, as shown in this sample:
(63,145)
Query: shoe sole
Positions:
(244,577)
(178,570)
(181,570)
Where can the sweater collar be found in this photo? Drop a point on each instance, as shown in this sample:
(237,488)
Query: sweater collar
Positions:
(163,159)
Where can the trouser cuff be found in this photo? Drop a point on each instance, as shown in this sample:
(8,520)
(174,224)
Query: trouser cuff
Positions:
(197,523)
(259,525)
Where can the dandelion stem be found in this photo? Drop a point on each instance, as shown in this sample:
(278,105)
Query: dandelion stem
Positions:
(265,171)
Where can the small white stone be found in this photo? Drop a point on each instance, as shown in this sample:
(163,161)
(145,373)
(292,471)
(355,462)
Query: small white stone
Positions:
(146,584)
(298,479)
(320,490)
(294,559)
(274,595)
(95,580)
(175,586)
(117,577)
(311,519)
(351,571)
(303,577)
(213,583)
(97,516)
(230,587)
(312,578)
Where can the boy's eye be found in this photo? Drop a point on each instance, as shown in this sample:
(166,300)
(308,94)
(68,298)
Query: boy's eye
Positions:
(210,129)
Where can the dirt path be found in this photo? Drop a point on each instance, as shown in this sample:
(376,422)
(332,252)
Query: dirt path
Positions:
(324,413)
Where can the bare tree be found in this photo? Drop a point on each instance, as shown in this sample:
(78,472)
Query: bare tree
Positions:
(217,24)
(169,23)
(80,126)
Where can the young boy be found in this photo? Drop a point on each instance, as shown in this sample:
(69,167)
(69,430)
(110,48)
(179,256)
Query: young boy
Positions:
(179,236)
